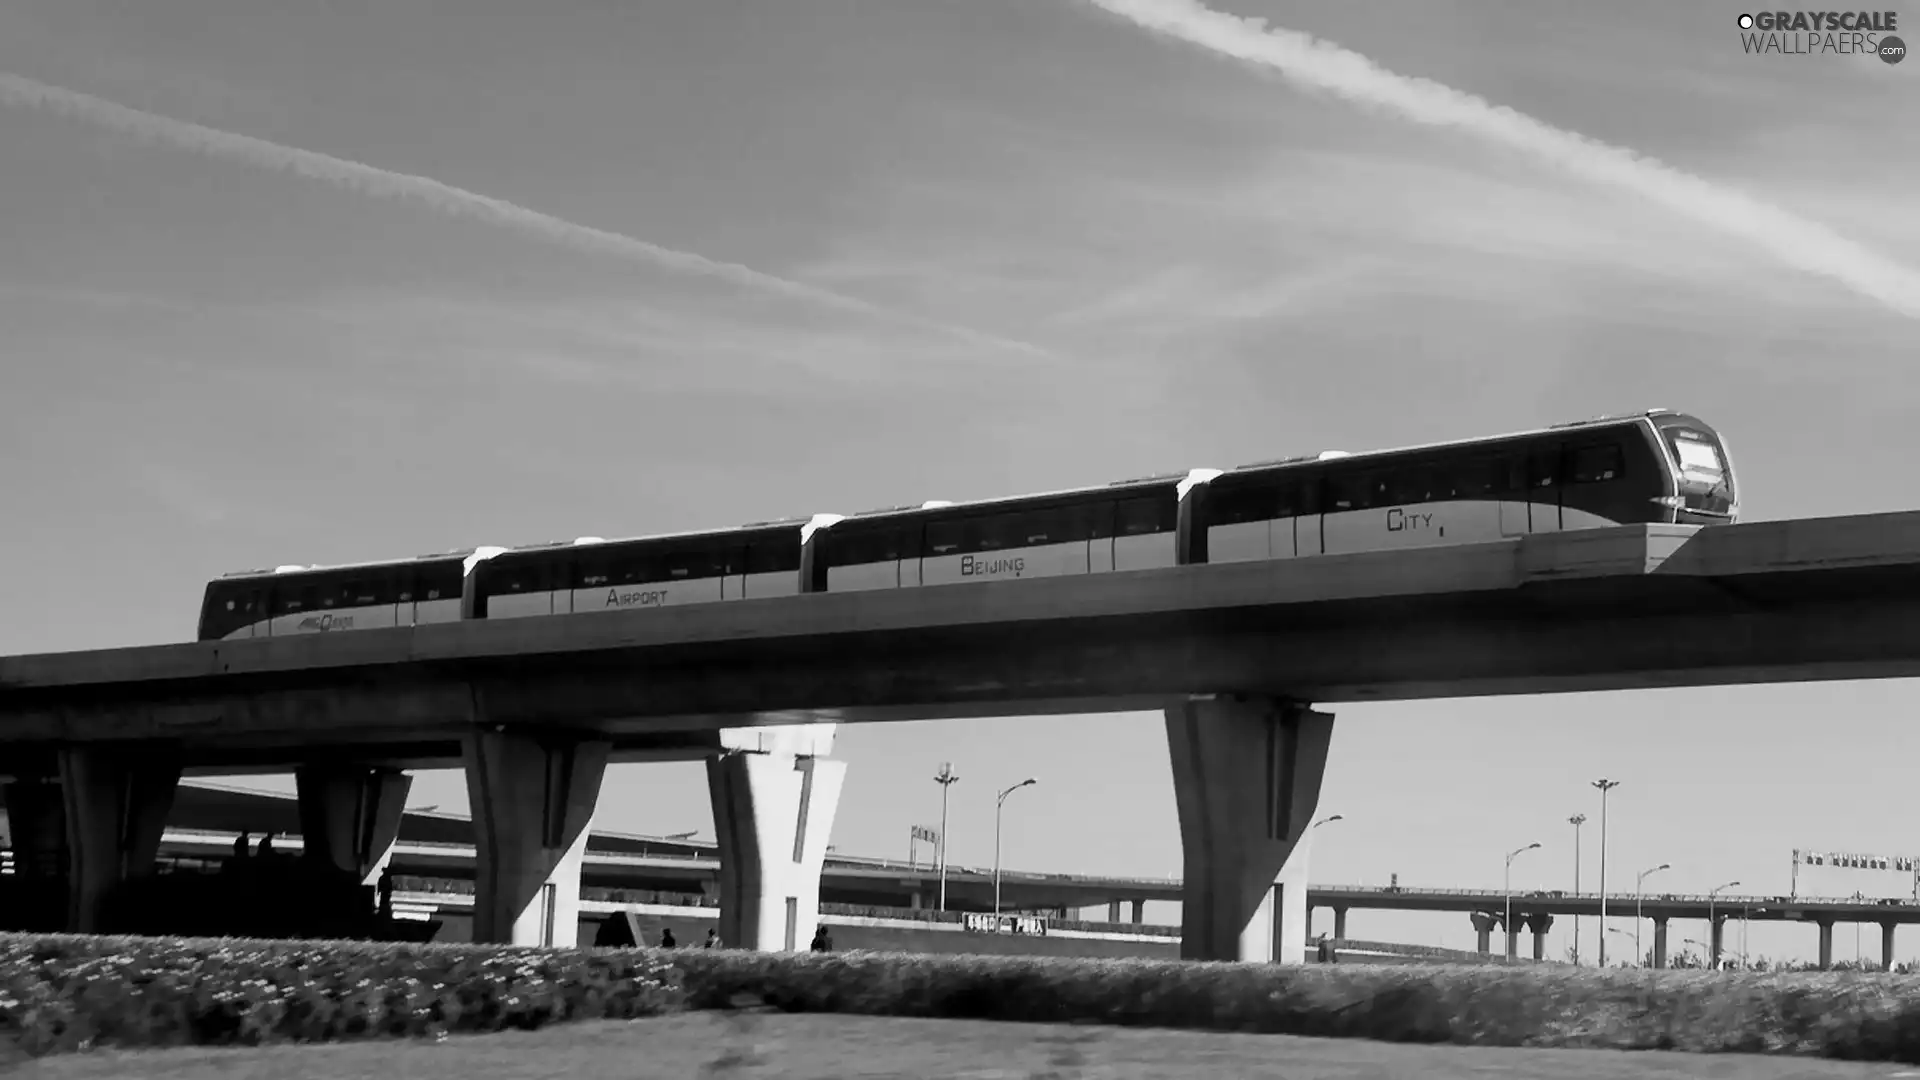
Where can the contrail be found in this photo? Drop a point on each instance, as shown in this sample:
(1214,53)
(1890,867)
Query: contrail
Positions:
(1321,65)
(23,92)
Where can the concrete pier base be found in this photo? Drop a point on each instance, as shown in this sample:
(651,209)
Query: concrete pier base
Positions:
(533,798)
(1246,779)
(117,800)
(773,814)
(350,816)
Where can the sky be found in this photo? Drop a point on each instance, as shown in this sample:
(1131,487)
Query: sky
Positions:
(418,281)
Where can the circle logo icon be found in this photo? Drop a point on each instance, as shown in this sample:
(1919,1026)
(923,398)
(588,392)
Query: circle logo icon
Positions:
(1746,22)
(1892,49)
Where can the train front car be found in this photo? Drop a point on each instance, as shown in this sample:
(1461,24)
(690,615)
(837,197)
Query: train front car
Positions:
(1646,467)
(324,599)
(749,562)
(1704,487)
(1128,525)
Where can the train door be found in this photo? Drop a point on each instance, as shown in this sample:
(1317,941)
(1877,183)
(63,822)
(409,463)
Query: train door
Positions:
(250,605)
(1509,484)
(1544,468)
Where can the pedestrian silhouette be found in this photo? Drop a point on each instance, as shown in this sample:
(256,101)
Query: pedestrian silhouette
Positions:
(666,938)
(240,845)
(265,850)
(713,939)
(822,941)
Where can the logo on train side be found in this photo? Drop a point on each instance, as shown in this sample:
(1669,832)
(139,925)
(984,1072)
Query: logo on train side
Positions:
(636,598)
(323,623)
(972,567)
(1401,520)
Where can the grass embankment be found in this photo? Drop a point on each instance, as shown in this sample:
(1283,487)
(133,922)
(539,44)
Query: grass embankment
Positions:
(835,1047)
(69,992)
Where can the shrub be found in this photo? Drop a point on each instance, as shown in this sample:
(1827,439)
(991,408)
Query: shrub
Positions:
(1861,1017)
(65,992)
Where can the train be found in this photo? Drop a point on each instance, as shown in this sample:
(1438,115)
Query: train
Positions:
(1653,466)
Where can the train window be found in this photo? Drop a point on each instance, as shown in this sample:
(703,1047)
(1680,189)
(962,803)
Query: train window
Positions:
(1145,514)
(871,544)
(313,596)
(1352,491)
(1543,468)
(693,563)
(773,554)
(1237,505)
(1407,484)
(1598,464)
(634,567)
(527,576)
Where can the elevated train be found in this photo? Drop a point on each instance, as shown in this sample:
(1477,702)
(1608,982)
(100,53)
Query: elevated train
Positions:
(1658,466)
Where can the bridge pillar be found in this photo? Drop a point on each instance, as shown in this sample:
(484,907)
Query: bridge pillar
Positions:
(1113,911)
(1826,944)
(1340,923)
(532,799)
(1513,939)
(1659,941)
(1538,925)
(117,801)
(37,820)
(1886,946)
(1246,781)
(1139,912)
(1483,925)
(773,814)
(350,816)
(1716,929)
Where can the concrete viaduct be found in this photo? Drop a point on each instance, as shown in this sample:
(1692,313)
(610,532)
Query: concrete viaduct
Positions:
(1235,655)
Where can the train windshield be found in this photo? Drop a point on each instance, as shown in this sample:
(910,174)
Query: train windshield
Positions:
(1706,480)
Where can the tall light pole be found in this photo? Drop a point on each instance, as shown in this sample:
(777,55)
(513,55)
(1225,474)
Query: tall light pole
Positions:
(1713,929)
(1605,786)
(999,806)
(946,778)
(1506,922)
(1638,882)
(1576,821)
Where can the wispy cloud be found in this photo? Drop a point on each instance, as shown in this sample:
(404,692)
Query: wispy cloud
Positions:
(1319,65)
(22,92)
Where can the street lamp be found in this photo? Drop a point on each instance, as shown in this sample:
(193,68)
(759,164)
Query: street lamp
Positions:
(1605,786)
(946,778)
(1638,956)
(1713,928)
(999,806)
(1576,821)
(1507,920)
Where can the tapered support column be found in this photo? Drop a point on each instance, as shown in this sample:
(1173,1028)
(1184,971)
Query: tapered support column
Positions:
(1826,944)
(1659,942)
(1483,931)
(1139,911)
(1537,926)
(1340,923)
(1246,779)
(1886,946)
(532,800)
(773,814)
(350,816)
(117,801)
(1716,929)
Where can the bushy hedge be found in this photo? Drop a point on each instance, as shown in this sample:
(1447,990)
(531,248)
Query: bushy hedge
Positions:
(66,992)
(72,992)
(1849,1016)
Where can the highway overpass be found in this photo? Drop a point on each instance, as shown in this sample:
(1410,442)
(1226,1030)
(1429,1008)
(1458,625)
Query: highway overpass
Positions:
(534,708)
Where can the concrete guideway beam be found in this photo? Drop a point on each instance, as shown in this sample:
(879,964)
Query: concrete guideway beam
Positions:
(350,815)
(116,800)
(1246,780)
(532,798)
(773,814)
